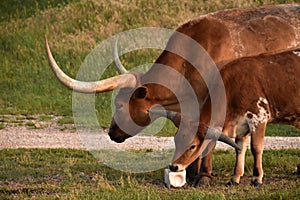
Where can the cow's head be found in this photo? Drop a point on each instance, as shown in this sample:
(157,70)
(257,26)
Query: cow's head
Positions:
(189,146)
(131,103)
(131,113)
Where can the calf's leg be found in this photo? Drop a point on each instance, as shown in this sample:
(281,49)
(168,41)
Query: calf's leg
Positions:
(257,147)
(240,161)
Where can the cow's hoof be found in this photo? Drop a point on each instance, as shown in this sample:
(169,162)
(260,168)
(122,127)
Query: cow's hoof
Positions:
(202,181)
(256,184)
(297,173)
(231,183)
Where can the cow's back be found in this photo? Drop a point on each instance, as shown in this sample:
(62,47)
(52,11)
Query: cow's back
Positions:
(235,33)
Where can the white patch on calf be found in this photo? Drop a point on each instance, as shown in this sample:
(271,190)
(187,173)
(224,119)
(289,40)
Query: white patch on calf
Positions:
(242,127)
(262,116)
(296,53)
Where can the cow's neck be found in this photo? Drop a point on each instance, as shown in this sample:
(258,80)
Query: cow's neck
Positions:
(167,99)
(163,97)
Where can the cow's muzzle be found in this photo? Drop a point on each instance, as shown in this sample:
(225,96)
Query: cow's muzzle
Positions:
(116,139)
(117,135)
(176,167)
(173,168)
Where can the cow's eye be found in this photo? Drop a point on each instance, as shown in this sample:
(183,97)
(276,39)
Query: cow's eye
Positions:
(192,147)
(119,106)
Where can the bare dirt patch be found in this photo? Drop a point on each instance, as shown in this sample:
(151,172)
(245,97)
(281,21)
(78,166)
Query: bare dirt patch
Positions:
(20,131)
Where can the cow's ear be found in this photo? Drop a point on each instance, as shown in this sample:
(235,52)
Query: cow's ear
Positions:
(140,93)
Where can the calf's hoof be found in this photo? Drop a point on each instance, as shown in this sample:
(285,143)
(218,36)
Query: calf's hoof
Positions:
(255,183)
(202,181)
(297,173)
(231,183)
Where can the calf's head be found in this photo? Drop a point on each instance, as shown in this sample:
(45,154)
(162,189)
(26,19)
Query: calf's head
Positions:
(190,145)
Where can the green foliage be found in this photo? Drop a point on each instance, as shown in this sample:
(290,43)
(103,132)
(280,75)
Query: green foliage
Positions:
(282,130)
(75,174)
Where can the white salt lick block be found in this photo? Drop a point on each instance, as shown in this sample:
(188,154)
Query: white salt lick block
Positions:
(175,179)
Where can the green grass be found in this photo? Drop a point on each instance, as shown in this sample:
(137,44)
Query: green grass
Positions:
(66,120)
(75,174)
(46,117)
(282,130)
(13,9)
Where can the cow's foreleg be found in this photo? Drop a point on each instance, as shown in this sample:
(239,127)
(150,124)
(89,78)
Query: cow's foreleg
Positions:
(257,147)
(240,161)
(205,174)
(192,171)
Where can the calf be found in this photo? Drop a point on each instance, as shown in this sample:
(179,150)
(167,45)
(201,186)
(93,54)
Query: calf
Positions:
(260,89)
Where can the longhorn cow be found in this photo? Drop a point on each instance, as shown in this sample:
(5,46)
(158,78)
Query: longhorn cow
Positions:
(225,35)
(260,89)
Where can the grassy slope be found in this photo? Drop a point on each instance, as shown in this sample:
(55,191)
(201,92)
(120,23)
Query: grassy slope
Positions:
(75,174)
(75,27)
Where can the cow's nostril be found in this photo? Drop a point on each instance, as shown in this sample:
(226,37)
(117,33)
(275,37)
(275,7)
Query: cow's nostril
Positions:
(116,138)
(173,168)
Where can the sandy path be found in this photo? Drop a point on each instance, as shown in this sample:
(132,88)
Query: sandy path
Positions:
(24,137)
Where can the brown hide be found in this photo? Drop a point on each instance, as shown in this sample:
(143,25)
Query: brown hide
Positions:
(258,30)
(267,35)
(213,35)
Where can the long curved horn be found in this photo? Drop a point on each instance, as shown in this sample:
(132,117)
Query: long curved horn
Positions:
(120,81)
(121,69)
(215,134)
(211,133)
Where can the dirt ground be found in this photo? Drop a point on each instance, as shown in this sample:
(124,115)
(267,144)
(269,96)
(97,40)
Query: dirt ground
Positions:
(20,131)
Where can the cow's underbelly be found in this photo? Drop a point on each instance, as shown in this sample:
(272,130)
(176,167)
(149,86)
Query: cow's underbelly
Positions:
(291,119)
(248,122)
(237,128)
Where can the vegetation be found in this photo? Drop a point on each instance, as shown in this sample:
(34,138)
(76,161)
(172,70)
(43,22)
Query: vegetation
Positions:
(75,174)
